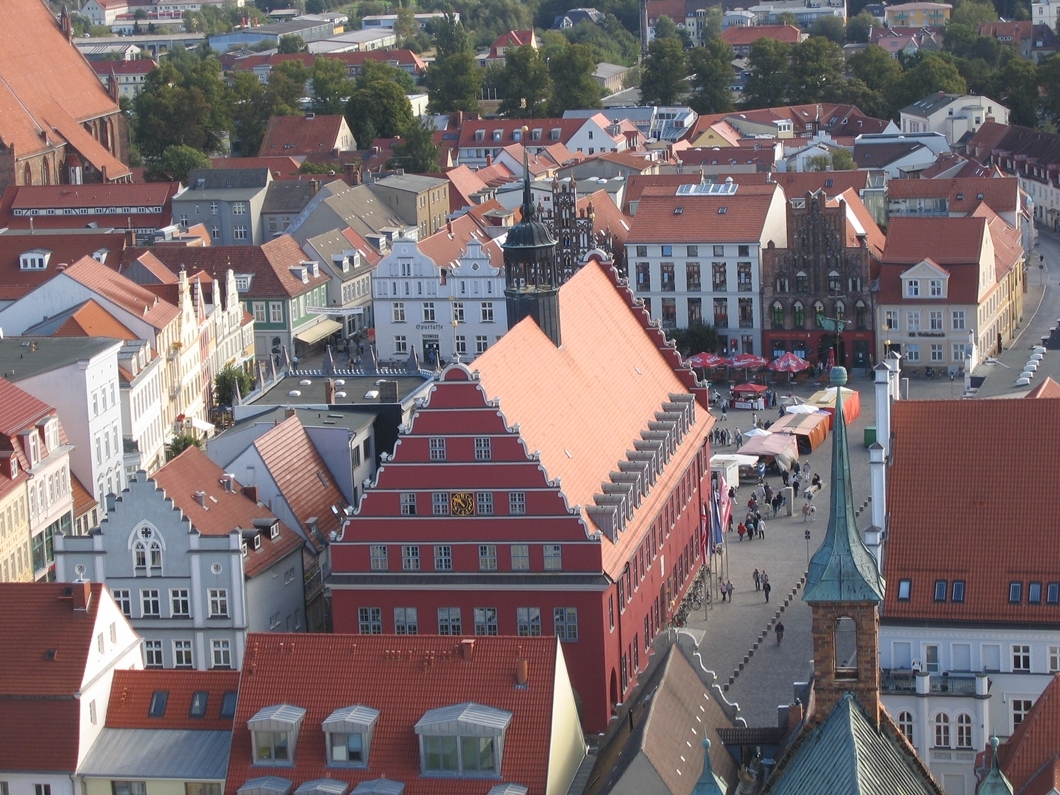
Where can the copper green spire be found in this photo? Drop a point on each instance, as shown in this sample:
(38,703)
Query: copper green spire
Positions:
(708,783)
(842,569)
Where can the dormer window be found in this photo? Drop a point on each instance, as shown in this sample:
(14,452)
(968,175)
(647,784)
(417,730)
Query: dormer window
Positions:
(33,447)
(349,735)
(464,740)
(36,260)
(912,288)
(275,733)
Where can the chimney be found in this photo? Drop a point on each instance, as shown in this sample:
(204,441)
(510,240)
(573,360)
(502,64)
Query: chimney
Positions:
(200,497)
(288,413)
(226,481)
(489,160)
(251,493)
(82,592)
(329,391)
(795,713)
(522,671)
(467,649)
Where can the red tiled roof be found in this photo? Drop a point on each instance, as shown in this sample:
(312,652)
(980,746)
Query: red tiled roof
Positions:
(744,216)
(27,720)
(580,430)
(83,501)
(833,183)
(986,138)
(154,266)
(301,475)
(114,194)
(1006,495)
(92,320)
(403,677)
(1001,194)
(137,67)
(1008,246)
(225,511)
(1046,781)
(674,9)
(447,244)
(399,58)
(269,263)
(637,183)
(131,692)
(280,166)
(874,237)
(1046,389)
(60,91)
(948,241)
(19,410)
(463,183)
(130,296)
(508,127)
(606,216)
(301,135)
(64,248)
(965,168)
(742,35)
(1036,741)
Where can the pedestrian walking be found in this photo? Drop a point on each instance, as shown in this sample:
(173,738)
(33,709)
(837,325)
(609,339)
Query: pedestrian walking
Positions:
(758,580)
(760,528)
(805,512)
(741,530)
(766,589)
(779,629)
(806,467)
(813,513)
(724,411)
(739,437)
(754,419)
(731,588)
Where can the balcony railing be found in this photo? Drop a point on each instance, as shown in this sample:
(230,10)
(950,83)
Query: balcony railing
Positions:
(899,682)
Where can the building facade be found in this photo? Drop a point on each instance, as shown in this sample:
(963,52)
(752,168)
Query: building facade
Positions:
(227,201)
(953,115)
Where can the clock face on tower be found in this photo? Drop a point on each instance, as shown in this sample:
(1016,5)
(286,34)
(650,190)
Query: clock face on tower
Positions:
(462,503)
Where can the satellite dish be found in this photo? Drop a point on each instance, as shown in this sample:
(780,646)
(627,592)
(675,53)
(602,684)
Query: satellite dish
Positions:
(216,568)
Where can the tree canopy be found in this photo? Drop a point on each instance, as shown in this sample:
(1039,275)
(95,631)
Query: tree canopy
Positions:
(663,78)
(417,153)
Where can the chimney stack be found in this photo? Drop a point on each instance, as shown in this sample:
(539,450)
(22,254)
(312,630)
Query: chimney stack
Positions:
(200,497)
(82,592)
(251,493)
(467,649)
(522,671)
(329,391)
(795,714)
(288,413)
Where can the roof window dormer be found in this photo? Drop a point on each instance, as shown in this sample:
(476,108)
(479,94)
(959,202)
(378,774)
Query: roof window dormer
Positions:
(275,733)
(349,735)
(35,260)
(464,740)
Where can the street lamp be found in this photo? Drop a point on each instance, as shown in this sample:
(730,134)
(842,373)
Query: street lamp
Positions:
(806,535)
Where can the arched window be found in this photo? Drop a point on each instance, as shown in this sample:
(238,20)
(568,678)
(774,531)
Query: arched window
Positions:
(840,310)
(27,175)
(846,648)
(833,281)
(942,730)
(854,284)
(905,724)
(800,315)
(964,730)
(802,282)
(859,314)
(45,177)
(782,284)
(778,315)
(818,310)
(147,553)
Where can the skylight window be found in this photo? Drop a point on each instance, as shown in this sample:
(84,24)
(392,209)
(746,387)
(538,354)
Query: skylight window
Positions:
(198,704)
(159,699)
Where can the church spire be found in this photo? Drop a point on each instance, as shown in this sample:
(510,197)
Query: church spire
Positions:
(707,784)
(994,782)
(843,569)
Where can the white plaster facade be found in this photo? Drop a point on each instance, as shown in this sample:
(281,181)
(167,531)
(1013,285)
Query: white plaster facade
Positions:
(445,310)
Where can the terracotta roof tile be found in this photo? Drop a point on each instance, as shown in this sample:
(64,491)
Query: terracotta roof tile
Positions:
(19,409)
(224,511)
(581,440)
(744,214)
(26,720)
(447,244)
(300,135)
(1008,241)
(131,693)
(65,248)
(130,296)
(137,67)
(1001,194)
(863,221)
(636,184)
(1046,389)
(402,677)
(742,35)
(948,241)
(83,500)
(300,473)
(92,320)
(1046,781)
(279,166)
(1034,744)
(1007,494)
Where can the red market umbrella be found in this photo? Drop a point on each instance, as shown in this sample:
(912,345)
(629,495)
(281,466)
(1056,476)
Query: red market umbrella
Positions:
(831,358)
(747,361)
(706,360)
(789,363)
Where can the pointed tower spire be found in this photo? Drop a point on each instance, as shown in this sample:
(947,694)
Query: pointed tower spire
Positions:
(707,784)
(843,569)
(995,782)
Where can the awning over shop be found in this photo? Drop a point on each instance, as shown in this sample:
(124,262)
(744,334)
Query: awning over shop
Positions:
(325,328)
(201,425)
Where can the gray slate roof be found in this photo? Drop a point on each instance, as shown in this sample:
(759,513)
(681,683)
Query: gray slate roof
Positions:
(227,178)
(185,754)
(846,755)
(288,196)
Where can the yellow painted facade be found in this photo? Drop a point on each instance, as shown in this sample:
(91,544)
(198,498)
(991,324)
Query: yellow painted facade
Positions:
(15,564)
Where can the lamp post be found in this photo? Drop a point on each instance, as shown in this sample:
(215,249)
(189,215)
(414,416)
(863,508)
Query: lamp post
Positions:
(806,535)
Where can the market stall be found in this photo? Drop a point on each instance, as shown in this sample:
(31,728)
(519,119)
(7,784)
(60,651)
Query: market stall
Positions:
(825,399)
(809,430)
(729,466)
(780,449)
(749,396)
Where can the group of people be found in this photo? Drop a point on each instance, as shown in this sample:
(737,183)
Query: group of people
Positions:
(762,582)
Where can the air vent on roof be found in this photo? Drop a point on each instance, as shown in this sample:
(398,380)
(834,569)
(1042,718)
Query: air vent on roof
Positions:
(722,210)
(679,210)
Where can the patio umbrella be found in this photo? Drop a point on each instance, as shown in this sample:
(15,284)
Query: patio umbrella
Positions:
(801,408)
(788,362)
(747,361)
(758,432)
(706,360)
(329,361)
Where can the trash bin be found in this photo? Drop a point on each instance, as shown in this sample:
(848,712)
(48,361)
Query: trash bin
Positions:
(870,435)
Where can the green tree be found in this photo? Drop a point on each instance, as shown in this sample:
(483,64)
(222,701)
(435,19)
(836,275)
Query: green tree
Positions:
(613,42)
(853,91)
(816,66)
(666,29)
(251,108)
(696,338)
(292,44)
(768,84)
(174,164)
(331,86)
(663,74)
(573,84)
(933,73)
(286,87)
(875,68)
(224,384)
(405,26)
(711,67)
(1049,79)
(838,160)
(712,24)
(378,106)
(858,27)
(182,109)
(972,13)
(526,87)
(831,28)
(417,153)
(958,38)
(181,442)
(453,81)
(1015,85)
